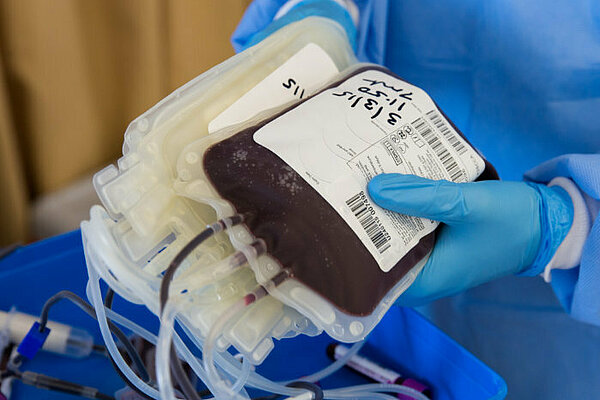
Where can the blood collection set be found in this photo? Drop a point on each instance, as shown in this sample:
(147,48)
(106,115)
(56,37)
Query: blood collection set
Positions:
(272,150)
(299,200)
(144,222)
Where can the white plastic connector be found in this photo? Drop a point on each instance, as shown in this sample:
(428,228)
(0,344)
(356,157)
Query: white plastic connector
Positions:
(63,339)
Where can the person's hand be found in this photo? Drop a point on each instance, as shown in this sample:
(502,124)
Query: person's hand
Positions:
(258,15)
(263,17)
(490,229)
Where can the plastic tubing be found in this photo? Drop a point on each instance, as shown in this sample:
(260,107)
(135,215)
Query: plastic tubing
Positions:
(191,360)
(167,326)
(243,377)
(163,352)
(163,348)
(167,335)
(229,364)
(333,367)
(150,337)
(183,350)
(209,347)
(132,326)
(357,392)
(379,387)
(227,361)
(146,296)
(93,289)
(232,366)
(361,395)
(123,366)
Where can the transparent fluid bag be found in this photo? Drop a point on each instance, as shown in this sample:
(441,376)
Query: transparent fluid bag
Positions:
(144,222)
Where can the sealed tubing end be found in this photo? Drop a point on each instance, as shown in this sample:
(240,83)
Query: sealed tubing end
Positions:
(79,344)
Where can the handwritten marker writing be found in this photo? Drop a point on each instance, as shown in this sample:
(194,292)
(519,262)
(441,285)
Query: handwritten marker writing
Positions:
(376,372)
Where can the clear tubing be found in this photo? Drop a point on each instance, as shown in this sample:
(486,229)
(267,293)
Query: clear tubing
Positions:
(209,347)
(163,350)
(150,337)
(191,360)
(93,289)
(380,387)
(232,366)
(132,326)
(188,356)
(166,337)
(357,392)
(256,380)
(148,298)
(333,367)
(243,377)
(225,360)
(361,395)
(229,364)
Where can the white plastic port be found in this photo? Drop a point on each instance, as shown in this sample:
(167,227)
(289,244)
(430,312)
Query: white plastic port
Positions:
(262,351)
(314,304)
(144,216)
(256,323)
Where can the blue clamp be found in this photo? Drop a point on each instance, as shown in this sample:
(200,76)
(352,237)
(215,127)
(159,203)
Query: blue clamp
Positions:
(33,341)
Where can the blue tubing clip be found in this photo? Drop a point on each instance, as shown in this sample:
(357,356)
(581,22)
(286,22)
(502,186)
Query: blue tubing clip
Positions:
(33,341)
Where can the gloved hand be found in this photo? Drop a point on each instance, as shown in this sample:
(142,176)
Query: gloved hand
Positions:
(490,229)
(259,20)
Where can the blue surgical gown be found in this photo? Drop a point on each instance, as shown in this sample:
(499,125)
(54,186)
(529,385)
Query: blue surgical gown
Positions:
(521,78)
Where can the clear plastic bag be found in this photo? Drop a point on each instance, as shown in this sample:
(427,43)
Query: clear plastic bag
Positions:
(144,222)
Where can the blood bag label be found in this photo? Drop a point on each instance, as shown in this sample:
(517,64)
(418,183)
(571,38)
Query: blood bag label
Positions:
(370,124)
(297,78)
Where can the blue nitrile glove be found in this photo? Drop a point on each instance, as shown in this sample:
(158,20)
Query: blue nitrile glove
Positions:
(257,22)
(490,229)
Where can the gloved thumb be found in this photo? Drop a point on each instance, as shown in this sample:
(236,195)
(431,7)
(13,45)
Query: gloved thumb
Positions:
(438,200)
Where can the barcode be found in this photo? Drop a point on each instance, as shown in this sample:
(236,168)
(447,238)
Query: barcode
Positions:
(363,211)
(439,123)
(441,152)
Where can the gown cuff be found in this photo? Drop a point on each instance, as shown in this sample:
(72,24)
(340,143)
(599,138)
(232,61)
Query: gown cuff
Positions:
(568,254)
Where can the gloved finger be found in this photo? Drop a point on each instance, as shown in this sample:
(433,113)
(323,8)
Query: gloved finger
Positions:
(441,200)
(454,266)
(258,16)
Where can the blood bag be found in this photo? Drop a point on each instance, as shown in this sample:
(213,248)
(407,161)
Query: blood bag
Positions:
(299,179)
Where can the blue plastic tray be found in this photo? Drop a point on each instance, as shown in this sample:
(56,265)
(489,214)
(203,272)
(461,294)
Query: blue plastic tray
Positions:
(404,340)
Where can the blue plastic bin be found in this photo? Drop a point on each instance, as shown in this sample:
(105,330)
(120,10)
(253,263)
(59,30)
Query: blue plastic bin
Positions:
(404,340)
